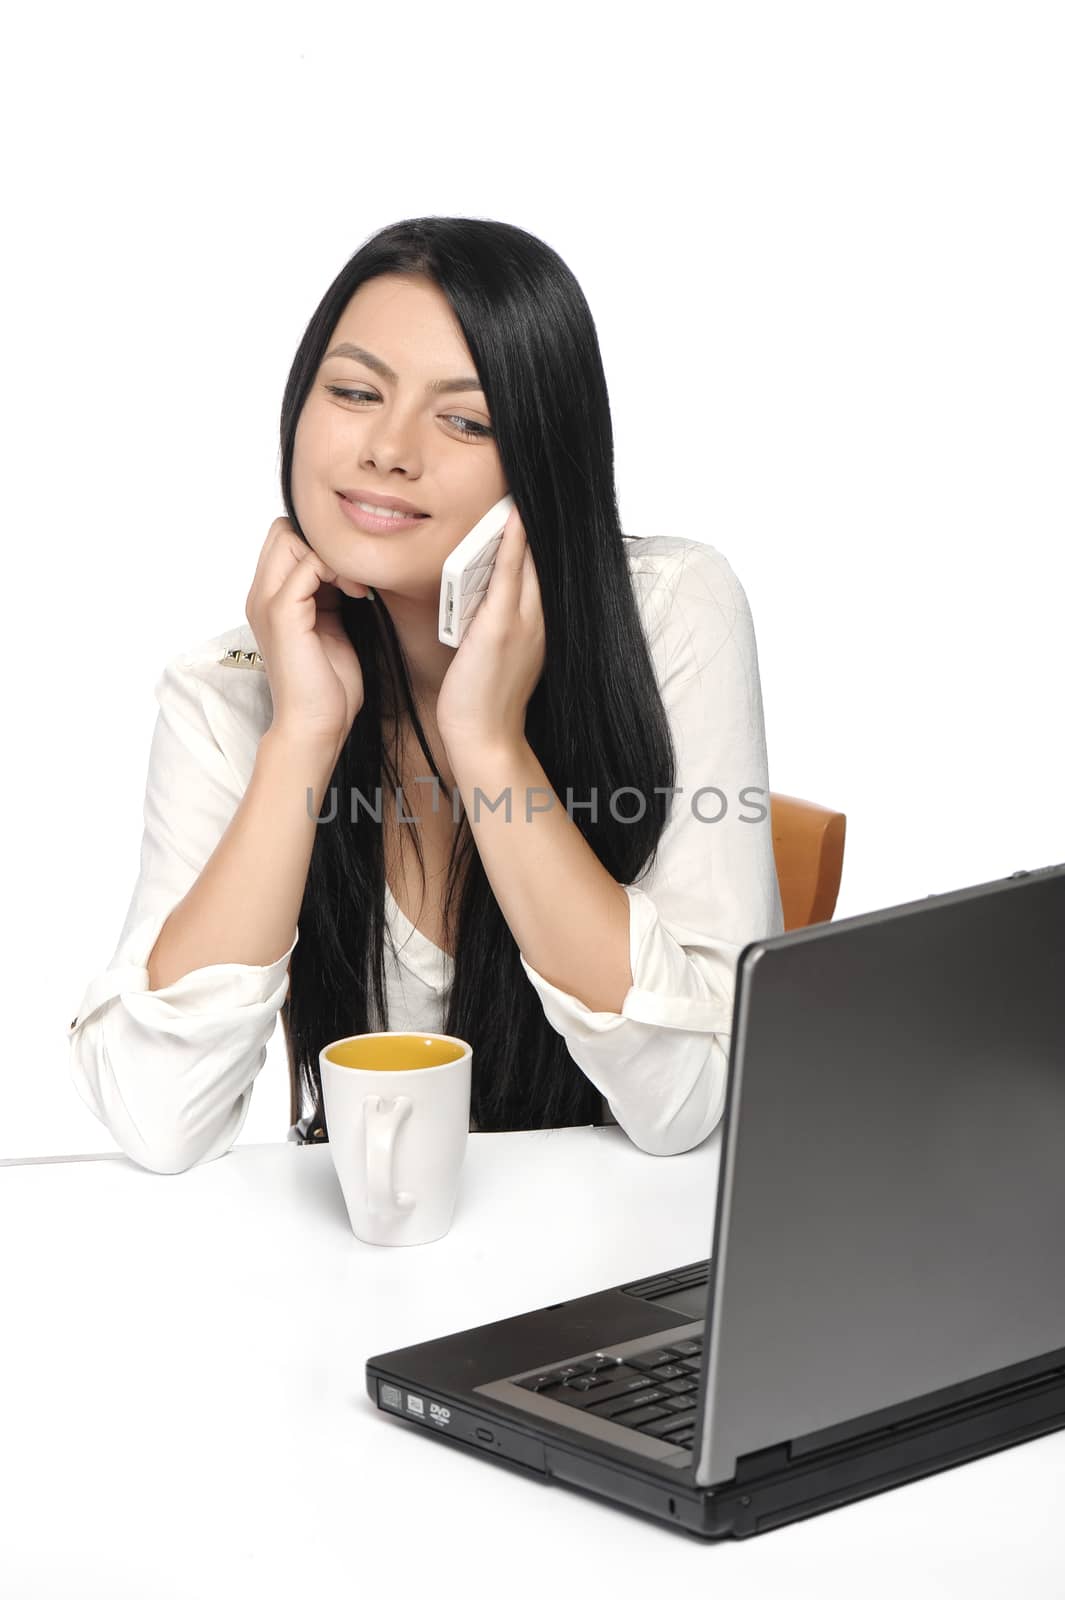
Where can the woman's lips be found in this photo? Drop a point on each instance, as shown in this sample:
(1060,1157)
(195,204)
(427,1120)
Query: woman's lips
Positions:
(371,524)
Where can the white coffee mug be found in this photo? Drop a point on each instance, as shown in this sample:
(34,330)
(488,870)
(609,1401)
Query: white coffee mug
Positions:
(397,1110)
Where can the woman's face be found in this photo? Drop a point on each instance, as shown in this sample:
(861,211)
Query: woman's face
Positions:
(364,431)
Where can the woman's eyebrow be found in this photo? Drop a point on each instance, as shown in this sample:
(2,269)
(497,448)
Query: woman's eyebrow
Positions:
(383,370)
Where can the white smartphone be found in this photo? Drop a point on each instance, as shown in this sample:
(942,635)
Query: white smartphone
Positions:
(465,574)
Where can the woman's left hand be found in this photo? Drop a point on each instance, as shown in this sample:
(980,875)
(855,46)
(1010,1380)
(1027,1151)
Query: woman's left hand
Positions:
(486,689)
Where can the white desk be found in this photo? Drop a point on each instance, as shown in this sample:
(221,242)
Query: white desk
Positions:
(184,1407)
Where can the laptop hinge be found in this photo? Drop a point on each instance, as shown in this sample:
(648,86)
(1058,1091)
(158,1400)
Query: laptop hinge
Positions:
(759,1462)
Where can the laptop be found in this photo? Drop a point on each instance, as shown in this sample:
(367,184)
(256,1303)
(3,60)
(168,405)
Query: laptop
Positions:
(885,1293)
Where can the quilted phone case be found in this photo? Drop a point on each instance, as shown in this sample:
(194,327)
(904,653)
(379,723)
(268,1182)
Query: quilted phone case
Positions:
(467,571)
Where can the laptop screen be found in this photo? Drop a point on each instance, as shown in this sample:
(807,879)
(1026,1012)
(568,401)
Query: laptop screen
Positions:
(892,1203)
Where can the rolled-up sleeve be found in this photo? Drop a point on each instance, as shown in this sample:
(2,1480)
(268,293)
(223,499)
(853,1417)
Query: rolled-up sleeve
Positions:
(169,1072)
(662,1061)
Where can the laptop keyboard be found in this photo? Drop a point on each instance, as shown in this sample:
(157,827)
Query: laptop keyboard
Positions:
(655,1392)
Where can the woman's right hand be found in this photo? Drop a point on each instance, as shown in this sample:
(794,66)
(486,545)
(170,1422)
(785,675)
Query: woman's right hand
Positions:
(293,607)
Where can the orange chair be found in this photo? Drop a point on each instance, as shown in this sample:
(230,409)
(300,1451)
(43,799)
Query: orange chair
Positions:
(808,847)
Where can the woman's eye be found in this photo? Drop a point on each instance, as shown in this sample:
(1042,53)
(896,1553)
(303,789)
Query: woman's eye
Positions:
(475,430)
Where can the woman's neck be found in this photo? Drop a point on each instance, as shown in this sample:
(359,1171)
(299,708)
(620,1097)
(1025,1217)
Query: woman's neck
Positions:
(425,657)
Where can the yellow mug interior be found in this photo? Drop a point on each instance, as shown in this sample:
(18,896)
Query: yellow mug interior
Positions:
(395,1052)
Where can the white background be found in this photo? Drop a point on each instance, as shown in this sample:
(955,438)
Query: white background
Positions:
(823,245)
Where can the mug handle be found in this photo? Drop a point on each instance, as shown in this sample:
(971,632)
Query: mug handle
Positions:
(381,1128)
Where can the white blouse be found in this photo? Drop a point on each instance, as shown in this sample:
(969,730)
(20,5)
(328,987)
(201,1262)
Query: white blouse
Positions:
(170,1071)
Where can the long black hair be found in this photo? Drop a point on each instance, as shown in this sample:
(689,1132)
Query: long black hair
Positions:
(595,719)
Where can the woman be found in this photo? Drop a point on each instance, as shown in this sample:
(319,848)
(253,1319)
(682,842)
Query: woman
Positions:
(586,944)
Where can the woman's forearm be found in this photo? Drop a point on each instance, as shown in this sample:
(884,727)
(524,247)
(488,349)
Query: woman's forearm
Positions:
(569,917)
(245,904)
